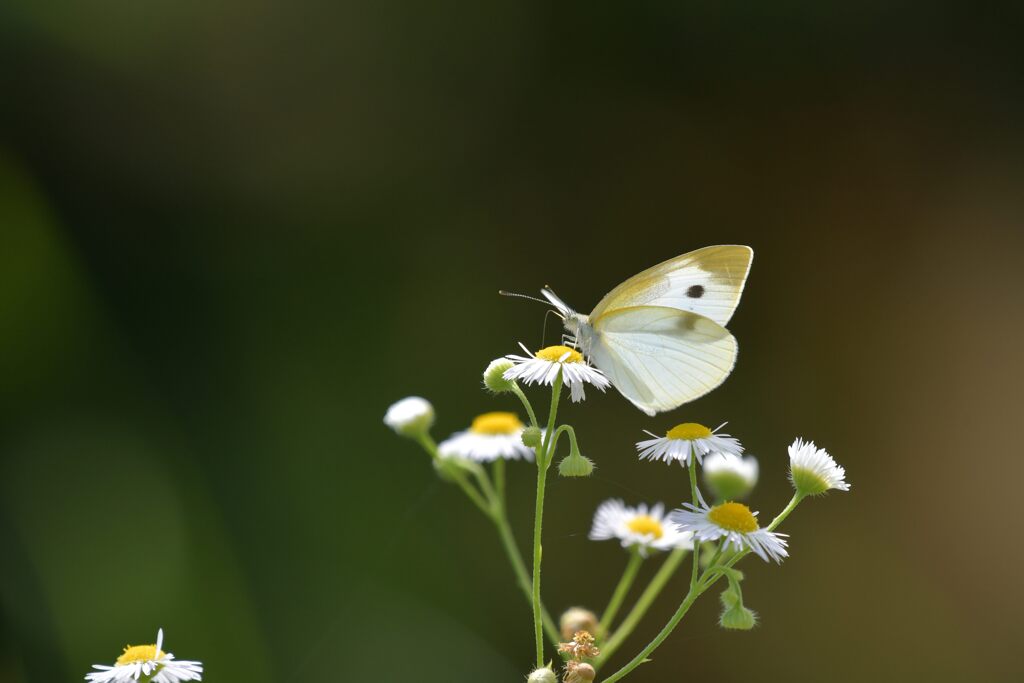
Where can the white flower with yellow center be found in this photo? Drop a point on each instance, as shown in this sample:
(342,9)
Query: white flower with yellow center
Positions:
(686,441)
(813,471)
(638,526)
(543,368)
(489,437)
(147,663)
(734,522)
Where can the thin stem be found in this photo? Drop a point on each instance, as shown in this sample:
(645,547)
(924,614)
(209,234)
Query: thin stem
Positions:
(499,479)
(494,508)
(620,592)
(526,404)
(696,546)
(543,461)
(707,580)
(458,475)
(508,541)
(688,601)
(565,429)
(797,497)
(665,572)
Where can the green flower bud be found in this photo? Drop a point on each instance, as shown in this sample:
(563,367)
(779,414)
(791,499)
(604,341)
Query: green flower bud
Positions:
(544,675)
(532,437)
(494,376)
(575,465)
(729,598)
(737,617)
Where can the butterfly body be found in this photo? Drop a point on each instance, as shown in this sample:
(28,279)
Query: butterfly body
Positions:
(660,336)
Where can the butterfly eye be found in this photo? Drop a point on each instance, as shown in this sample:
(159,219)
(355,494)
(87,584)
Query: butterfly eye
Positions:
(695,291)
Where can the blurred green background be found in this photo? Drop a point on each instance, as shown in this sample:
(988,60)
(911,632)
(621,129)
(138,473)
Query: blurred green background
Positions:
(232,233)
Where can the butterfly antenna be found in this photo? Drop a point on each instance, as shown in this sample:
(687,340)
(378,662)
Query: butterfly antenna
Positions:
(523,296)
(544,329)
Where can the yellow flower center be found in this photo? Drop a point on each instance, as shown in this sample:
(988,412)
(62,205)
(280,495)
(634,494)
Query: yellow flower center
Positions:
(645,524)
(139,653)
(689,431)
(554,353)
(496,423)
(734,517)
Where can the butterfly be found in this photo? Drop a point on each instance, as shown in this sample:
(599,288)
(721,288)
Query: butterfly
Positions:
(660,335)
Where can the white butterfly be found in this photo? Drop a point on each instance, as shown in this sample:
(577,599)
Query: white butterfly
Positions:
(659,336)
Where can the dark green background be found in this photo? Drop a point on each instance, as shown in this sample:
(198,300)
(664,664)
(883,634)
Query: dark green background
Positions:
(232,233)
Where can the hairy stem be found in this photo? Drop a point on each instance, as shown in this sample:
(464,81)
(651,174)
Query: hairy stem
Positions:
(619,594)
(543,462)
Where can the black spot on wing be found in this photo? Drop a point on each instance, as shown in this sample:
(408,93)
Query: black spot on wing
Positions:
(695,291)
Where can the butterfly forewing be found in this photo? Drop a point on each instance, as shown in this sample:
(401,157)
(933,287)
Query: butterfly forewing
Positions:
(707,281)
(660,357)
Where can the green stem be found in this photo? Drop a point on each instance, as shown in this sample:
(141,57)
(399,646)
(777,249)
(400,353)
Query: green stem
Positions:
(499,479)
(508,541)
(707,580)
(693,493)
(779,518)
(665,572)
(565,429)
(526,404)
(543,461)
(620,592)
(688,601)
(458,475)
(494,508)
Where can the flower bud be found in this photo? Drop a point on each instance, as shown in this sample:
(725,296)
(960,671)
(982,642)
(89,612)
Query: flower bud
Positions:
(576,619)
(730,477)
(737,617)
(544,675)
(532,437)
(579,672)
(575,465)
(411,417)
(494,378)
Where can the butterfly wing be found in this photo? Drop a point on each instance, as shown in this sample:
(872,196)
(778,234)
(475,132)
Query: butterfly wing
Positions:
(707,282)
(659,357)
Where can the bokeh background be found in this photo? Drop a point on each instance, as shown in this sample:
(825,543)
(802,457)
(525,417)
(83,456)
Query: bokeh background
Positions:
(232,233)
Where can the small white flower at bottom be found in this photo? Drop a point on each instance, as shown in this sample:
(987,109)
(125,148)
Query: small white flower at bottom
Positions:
(489,437)
(147,660)
(543,368)
(736,523)
(686,441)
(638,526)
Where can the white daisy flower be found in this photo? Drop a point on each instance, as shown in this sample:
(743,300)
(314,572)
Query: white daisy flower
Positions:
(149,661)
(489,437)
(813,471)
(543,367)
(686,441)
(730,477)
(736,523)
(638,526)
(412,416)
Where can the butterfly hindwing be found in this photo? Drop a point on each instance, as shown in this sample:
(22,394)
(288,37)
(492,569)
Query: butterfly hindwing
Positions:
(660,357)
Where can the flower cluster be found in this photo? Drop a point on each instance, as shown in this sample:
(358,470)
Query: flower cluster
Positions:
(719,533)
